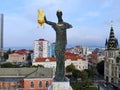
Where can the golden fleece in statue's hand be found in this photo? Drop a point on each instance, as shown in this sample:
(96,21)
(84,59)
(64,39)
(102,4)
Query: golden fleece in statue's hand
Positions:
(41,15)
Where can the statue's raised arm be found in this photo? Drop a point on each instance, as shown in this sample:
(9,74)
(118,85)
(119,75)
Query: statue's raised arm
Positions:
(48,22)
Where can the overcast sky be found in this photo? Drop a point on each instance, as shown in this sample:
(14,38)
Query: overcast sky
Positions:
(91,21)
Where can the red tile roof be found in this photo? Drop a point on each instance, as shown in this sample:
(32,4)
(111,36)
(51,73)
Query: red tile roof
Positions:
(52,59)
(21,52)
(68,55)
(41,39)
(73,56)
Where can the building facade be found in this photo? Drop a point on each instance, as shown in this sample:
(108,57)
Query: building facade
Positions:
(18,56)
(37,83)
(112,59)
(80,62)
(80,50)
(43,48)
(25,78)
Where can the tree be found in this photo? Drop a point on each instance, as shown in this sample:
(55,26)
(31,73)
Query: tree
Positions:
(100,68)
(70,68)
(84,75)
(29,56)
(9,65)
(6,54)
(90,72)
(9,51)
(38,66)
(76,73)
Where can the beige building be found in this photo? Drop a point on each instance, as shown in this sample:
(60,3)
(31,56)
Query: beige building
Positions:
(18,56)
(15,57)
(112,59)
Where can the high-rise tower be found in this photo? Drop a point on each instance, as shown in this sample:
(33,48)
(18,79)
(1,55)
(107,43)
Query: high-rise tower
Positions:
(1,31)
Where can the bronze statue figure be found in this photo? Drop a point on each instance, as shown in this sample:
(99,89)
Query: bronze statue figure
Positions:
(60,45)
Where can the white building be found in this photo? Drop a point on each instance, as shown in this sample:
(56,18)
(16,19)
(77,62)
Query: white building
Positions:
(41,48)
(79,62)
(80,50)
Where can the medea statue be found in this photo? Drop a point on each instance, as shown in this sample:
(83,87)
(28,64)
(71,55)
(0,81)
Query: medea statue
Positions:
(60,45)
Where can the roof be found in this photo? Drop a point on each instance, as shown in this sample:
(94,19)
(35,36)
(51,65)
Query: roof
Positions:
(25,72)
(50,59)
(41,73)
(41,39)
(22,52)
(15,71)
(73,56)
(68,55)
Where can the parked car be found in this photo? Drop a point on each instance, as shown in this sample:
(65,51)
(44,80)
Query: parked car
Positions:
(104,85)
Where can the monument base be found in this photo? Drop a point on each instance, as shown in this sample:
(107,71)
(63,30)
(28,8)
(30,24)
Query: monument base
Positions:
(60,86)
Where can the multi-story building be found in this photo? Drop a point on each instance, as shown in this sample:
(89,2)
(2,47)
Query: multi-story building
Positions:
(112,59)
(43,48)
(52,50)
(80,50)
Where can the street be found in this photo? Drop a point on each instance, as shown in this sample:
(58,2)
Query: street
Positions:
(100,82)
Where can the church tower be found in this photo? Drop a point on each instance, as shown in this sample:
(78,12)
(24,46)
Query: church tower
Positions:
(111,66)
(112,42)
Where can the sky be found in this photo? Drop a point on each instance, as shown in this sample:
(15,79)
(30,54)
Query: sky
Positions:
(91,21)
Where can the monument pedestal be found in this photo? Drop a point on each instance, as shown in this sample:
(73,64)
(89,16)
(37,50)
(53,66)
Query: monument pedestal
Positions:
(60,86)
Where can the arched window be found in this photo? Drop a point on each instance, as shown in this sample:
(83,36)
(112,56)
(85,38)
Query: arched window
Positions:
(40,84)
(47,83)
(32,84)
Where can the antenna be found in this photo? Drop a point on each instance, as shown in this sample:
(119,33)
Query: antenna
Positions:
(111,23)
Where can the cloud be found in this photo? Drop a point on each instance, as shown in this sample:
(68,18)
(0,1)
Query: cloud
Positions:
(87,18)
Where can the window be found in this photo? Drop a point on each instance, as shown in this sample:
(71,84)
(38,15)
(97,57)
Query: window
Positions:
(47,83)
(40,84)
(118,82)
(110,54)
(32,85)
(112,61)
(106,54)
(117,60)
